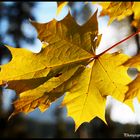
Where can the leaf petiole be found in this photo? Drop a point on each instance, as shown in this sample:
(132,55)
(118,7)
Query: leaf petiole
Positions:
(96,56)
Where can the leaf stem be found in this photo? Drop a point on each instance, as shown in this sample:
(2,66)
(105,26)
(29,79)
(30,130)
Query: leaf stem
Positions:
(96,56)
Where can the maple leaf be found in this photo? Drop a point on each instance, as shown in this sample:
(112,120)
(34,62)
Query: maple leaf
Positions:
(67,63)
(117,10)
(34,80)
(134,86)
(45,94)
(68,31)
(120,10)
(28,73)
(104,76)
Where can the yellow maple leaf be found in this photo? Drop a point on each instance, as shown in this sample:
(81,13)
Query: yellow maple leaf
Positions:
(67,63)
(64,47)
(120,10)
(117,10)
(134,86)
(68,31)
(44,94)
(104,76)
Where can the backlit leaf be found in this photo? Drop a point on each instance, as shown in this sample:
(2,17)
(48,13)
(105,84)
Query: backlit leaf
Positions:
(134,86)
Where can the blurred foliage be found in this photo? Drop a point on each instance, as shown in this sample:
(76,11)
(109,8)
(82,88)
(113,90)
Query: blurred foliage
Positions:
(19,127)
(16,14)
